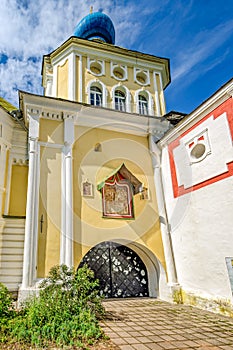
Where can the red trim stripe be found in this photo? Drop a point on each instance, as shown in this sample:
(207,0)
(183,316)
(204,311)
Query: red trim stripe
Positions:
(225,107)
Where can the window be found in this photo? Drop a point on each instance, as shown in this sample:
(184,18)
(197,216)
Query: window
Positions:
(143,105)
(95,96)
(120,101)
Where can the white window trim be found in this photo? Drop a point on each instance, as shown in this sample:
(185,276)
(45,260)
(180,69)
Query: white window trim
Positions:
(144,71)
(99,84)
(149,98)
(100,62)
(126,91)
(123,67)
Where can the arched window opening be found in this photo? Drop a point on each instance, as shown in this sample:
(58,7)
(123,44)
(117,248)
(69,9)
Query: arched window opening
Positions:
(120,101)
(95,96)
(143,105)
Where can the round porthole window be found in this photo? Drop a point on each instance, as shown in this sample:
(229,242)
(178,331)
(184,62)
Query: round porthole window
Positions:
(198,151)
(119,73)
(142,78)
(96,68)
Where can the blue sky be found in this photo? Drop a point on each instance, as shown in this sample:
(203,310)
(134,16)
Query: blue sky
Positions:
(196,35)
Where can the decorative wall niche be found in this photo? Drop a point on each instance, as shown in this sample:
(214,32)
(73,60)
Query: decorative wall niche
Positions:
(95,67)
(117,193)
(198,147)
(119,72)
(142,76)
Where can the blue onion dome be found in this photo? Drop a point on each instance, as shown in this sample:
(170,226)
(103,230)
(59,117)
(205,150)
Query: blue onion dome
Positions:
(96,25)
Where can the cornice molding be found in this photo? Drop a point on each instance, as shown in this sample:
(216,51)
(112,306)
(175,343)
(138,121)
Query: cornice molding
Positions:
(94,117)
(99,48)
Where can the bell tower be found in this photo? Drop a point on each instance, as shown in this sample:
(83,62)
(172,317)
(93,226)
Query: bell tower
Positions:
(89,68)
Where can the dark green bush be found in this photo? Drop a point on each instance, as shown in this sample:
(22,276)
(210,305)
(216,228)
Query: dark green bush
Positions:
(7,312)
(6,303)
(66,311)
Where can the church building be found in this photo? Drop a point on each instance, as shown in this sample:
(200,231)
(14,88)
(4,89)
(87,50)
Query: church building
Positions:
(95,172)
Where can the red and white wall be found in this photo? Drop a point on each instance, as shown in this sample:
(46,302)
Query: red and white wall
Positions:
(197,176)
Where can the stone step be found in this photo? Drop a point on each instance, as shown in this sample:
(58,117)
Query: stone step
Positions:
(11,248)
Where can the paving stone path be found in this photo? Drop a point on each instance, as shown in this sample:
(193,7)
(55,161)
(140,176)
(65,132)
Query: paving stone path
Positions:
(144,324)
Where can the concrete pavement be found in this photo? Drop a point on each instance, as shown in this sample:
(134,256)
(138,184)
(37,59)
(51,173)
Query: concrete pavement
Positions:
(150,324)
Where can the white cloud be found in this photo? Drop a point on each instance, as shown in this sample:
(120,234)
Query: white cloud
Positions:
(34,28)
(202,47)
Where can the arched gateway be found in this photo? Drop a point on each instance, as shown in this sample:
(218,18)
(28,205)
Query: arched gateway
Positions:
(120,271)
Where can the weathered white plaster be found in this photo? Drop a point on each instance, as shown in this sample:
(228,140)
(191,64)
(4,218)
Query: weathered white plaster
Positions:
(220,153)
(201,220)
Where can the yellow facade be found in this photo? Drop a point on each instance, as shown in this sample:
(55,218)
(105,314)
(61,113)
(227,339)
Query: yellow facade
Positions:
(109,82)
(67,142)
(18,190)
(73,73)
(49,218)
(77,65)
(62,80)
(5,182)
(90,228)
(116,148)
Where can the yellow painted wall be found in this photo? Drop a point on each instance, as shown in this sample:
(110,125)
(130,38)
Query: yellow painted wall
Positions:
(5,181)
(109,81)
(50,208)
(51,131)
(90,227)
(62,80)
(18,192)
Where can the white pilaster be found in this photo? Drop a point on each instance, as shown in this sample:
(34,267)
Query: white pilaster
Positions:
(162,99)
(3,150)
(164,225)
(31,226)
(66,253)
(157,99)
(63,209)
(49,86)
(54,89)
(72,77)
(80,77)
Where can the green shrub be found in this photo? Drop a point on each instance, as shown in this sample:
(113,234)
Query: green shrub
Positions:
(66,311)
(7,312)
(6,303)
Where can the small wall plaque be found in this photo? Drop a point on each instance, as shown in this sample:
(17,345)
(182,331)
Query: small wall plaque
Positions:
(87,189)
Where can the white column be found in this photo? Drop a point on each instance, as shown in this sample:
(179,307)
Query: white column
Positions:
(164,224)
(69,206)
(72,77)
(157,98)
(67,196)
(63,210)
(162,99)
(3,150)
(54,88)
(49,86)
(80,77)
(31,224)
